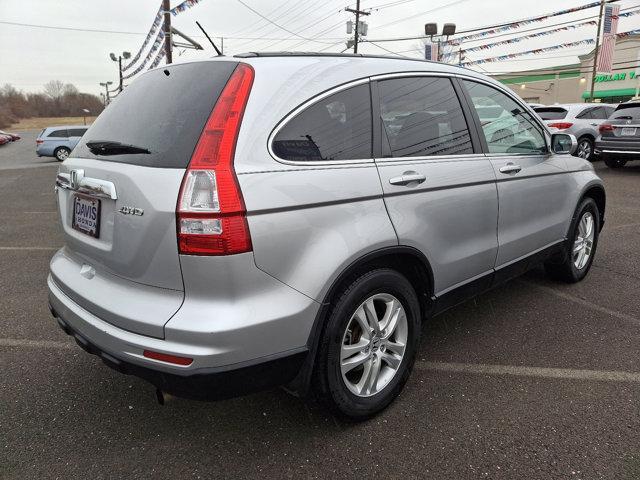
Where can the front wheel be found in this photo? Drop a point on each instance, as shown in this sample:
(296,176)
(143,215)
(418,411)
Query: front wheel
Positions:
(614,162)
(62,153)
(581,246)
(369,344)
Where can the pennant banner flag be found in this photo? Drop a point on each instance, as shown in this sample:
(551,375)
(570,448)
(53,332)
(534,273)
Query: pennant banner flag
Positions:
(537,51)
(184,6)
(159,57)
(487,46)
(520,23)
(157,43)
(157,21)
(609,30)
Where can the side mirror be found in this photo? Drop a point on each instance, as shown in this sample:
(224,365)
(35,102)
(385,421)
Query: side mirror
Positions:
(563,143)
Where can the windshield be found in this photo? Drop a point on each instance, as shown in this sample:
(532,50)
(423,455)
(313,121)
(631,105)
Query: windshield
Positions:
(157,120)
(547,113)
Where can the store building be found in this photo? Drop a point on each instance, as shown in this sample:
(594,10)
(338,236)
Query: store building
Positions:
(572,83)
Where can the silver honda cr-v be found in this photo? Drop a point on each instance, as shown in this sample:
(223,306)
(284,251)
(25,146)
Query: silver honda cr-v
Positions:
(282,219)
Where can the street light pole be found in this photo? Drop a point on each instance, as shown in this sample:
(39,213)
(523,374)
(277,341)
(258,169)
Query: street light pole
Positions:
(120,73)
(118,59)
(106,90)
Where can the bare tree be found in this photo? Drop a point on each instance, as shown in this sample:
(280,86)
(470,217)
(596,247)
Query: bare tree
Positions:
(54,89)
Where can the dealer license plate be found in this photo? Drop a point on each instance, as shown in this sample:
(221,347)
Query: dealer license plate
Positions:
(86,215)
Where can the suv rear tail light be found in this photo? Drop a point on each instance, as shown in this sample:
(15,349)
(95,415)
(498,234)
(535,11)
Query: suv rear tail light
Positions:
(211,216)
(605,127)
(38,141)
(561,125)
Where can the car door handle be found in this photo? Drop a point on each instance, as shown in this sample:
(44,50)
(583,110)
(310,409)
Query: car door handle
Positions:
(408,178)
(593,124)
(510,168)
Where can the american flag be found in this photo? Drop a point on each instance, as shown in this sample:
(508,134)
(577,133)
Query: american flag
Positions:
(431,51)
(609,30)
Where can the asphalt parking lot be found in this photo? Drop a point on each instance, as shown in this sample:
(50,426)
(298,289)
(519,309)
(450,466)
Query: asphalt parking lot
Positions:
(533,380)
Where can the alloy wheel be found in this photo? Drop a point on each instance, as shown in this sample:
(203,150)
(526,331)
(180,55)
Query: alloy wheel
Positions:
(373,345)
(583,243)
(584,149)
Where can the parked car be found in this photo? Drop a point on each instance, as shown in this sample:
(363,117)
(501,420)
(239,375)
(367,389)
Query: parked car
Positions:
(273,225)
(619,140)
(58,141)
(579,119)
(12,136)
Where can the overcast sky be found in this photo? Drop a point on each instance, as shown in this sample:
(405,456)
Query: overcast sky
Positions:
(29,57)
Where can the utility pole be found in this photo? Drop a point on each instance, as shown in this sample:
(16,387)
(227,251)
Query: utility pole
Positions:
(357,12)
(166,7)
(595,52)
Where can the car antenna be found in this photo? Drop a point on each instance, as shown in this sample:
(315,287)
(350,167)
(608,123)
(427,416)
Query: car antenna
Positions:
(220,54)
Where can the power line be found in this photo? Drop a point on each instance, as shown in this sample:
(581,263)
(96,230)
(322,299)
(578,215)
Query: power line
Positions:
(276,24)
(450,4)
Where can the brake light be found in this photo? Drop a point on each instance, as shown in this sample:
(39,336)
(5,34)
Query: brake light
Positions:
(165,357)
(561,125)
(211,216)
(38,141)
(605,127)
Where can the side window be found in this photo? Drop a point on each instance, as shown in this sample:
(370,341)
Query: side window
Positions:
(58,134)
(507,127)
(421,116)
(599,113)
(588,113)
(77,132)
(337,127)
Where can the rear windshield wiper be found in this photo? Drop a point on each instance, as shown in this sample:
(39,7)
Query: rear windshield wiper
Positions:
(107,147)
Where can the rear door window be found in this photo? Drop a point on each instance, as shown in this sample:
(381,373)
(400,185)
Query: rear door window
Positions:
(337,127)
(58,134)
(163,111)
(422,116)
(587,114)
(77,132)
(551,113)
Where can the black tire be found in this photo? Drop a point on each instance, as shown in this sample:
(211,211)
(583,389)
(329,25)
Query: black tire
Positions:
(614,162)
(565,269)
(588,143)
(61,153)
(328,381)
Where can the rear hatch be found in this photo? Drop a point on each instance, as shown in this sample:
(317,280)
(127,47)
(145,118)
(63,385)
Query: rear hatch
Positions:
(117,197)
(623,126)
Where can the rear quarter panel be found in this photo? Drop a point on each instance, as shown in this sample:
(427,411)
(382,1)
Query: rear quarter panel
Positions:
(308,225)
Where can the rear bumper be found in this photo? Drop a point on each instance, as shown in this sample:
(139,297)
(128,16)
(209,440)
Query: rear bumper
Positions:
(622,148)
(241,346)
(202,384)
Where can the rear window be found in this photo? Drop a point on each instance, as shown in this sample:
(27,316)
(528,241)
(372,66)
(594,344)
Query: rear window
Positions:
(163,111)
(58,134)
(627,111)
(551,113)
